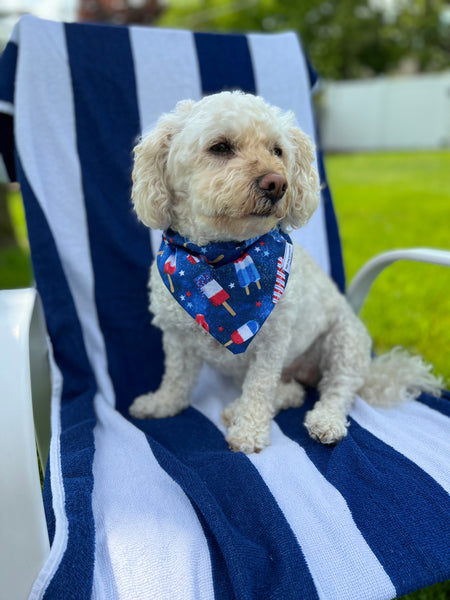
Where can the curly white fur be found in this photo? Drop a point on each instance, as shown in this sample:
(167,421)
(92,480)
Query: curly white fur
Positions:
(312,335)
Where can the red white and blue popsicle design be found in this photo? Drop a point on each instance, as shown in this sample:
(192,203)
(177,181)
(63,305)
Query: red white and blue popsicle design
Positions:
(246,272)
(214,292)
(244,333)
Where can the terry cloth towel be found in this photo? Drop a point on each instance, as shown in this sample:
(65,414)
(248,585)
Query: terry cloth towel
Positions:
(161,509)
(203,280)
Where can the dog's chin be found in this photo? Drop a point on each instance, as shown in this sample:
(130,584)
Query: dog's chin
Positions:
(250,220)
(246,226)
(254,219)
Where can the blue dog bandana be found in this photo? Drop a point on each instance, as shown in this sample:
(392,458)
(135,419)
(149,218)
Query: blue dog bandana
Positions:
(229,288)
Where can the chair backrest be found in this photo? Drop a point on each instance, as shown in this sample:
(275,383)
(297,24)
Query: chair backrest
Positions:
(95,89)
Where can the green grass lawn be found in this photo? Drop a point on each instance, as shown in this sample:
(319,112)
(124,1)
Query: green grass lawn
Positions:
(400,200)
(383,201)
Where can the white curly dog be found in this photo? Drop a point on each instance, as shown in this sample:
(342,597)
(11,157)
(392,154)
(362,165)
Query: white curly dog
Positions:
(228,168)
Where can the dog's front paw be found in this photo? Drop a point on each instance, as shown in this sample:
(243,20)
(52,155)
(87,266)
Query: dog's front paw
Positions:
(245,432)
(324,426)
(241,440)
(155,405)
(244,436)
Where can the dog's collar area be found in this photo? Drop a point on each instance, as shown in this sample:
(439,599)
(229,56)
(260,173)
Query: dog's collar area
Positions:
(215,254)
(229,288)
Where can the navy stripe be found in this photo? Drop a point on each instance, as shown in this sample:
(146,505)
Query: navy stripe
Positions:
(233,501)
(8,62)
(120,245)
(7,144)
(313,76)
(48,504)
(334,241)
(77,413)
(224,62)
(223,586)
(400,510)
(441,404)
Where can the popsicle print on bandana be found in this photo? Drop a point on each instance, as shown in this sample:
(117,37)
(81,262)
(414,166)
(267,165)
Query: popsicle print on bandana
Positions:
(247,272)
(228,288)
(213,291)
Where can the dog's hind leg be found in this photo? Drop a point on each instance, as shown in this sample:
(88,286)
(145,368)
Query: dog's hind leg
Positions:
(344,365)
(289,394)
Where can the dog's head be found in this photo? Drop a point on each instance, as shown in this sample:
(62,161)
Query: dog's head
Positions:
(229,167)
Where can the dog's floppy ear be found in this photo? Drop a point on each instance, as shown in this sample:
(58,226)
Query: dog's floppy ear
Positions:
(304,182)
(151,194)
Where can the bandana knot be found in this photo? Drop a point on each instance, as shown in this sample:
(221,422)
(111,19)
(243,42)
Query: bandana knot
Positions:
(229,288)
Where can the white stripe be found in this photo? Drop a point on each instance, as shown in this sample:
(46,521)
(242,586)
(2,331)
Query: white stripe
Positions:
(59,544)
(282,79)
(47,146)
(63,205)
(413,429)
(166,70)
(340,561)
(149,542)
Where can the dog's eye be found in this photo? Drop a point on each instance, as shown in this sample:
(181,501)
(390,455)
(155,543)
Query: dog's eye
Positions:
(278,151)
(221,148)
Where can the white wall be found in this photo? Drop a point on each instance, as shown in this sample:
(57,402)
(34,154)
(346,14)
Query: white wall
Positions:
(386,113)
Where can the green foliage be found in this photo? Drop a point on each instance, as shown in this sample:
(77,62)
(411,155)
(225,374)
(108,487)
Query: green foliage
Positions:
(346,39)
(15,266)
(15,270)
(15,207)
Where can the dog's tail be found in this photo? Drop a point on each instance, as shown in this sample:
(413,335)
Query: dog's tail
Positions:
(397,377)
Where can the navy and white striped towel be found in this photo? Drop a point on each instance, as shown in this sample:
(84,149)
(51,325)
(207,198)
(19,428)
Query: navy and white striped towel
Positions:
(161,509)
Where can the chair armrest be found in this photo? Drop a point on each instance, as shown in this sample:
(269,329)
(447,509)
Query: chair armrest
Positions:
(363,280)
(24,543)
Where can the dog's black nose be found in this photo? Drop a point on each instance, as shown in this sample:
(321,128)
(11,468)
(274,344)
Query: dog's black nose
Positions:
(273,185)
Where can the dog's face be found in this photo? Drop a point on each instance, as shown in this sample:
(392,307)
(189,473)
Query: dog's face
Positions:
(229,167)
